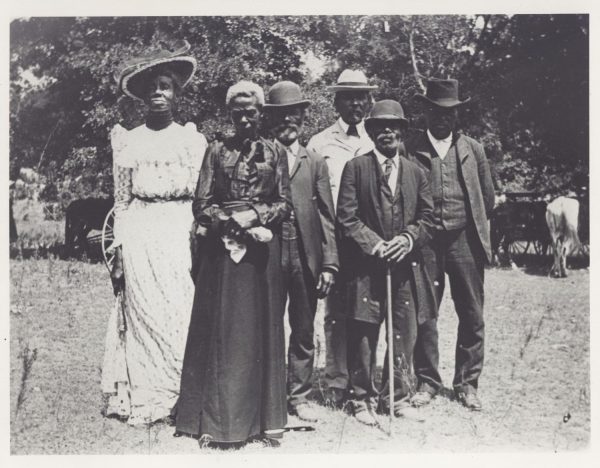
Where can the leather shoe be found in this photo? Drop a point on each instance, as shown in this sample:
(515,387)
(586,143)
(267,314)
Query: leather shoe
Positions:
(334,397)
(305,412)
(421,398)
(469,400)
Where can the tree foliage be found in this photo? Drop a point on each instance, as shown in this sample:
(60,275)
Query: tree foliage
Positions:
(527,75)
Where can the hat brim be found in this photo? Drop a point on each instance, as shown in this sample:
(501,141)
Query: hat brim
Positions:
(336,88)
(445,103)
(303,103)
(386,117)
(132,80)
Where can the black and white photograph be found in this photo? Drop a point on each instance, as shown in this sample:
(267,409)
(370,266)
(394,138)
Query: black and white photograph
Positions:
(322,233)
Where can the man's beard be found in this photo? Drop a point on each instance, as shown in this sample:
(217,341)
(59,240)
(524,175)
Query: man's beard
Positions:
(287,134)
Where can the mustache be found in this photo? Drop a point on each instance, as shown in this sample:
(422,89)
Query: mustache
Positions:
(286,126)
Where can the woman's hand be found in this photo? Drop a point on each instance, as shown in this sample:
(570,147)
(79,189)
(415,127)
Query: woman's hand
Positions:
(246,219)
(117,275)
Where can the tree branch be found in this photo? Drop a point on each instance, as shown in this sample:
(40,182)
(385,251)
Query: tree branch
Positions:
(413,58)
(46,146)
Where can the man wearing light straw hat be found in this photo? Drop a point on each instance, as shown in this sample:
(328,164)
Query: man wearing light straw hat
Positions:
(338,144)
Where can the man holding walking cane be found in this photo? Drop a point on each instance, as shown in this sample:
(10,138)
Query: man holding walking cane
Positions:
(385,215)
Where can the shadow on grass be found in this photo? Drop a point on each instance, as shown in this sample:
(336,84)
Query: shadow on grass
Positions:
(539,265)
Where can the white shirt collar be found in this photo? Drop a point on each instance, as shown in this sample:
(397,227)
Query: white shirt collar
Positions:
(432,139)
(360,126)
(381,158)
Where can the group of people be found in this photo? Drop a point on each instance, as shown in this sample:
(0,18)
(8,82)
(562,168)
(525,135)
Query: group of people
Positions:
(260,222)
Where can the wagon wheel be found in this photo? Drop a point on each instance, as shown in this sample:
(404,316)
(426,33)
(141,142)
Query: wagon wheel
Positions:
(517,248)
(108,238)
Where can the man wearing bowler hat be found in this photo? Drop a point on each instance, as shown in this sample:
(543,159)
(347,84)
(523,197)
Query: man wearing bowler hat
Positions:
(385,216)
(463,197)
(309,252)
(338,144)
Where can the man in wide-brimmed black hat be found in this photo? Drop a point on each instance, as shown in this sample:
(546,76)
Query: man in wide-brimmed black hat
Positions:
(309,252)
(463,197)
(385,216)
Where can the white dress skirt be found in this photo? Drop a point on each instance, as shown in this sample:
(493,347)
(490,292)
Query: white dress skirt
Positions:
(155,177)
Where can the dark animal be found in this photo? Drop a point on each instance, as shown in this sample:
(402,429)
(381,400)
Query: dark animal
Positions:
(519,221)
(81,217)
(13,236)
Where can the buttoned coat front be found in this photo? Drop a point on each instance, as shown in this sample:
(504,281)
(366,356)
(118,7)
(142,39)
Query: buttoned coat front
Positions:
(474,170)
(360,222)
(314,212)
(337,148)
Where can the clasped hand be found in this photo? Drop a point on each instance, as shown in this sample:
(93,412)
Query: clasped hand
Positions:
(394,250)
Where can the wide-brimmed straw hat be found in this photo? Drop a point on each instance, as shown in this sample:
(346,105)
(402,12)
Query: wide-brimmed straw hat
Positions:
(352,80)
(386,109)
(132,75)
(285,94)
(442,93)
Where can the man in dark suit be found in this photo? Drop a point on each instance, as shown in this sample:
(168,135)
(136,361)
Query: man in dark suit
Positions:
(463,197)
(309,251)
(384,213)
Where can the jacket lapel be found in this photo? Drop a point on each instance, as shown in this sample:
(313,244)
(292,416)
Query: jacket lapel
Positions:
(404,187)
(375,179)
(462,148)
(422,150)
(298,160)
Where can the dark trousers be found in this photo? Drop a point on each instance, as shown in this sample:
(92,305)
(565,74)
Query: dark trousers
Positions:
(336,365)
(458,254)
(362,349)
(300,287)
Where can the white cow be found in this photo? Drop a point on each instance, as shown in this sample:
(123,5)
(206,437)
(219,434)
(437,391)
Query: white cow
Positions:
(562,218)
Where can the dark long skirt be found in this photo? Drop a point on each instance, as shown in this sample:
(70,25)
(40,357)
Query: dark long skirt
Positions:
(233,378)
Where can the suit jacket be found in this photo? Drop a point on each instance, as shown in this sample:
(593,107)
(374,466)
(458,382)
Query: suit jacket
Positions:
(338,148)
(475,172)
(313,209)
(360,223)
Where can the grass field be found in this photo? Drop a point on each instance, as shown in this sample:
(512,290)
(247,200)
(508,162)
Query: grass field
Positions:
(535,386)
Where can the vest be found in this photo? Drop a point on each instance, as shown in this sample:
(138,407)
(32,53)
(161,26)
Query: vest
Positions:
(392,217)
(449,193)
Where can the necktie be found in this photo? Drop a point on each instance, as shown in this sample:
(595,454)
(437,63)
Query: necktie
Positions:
(387,171)
(352,131)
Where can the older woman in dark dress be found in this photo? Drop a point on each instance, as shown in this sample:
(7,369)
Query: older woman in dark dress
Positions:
(233,379)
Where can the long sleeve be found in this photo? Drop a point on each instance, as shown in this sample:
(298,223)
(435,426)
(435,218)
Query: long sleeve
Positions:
(327,216)
(206,210)
(485,178)
(347,213)
(421,230)
(122,168)
(279,207)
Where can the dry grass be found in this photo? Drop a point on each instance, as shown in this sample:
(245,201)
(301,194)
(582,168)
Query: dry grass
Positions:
(535,386)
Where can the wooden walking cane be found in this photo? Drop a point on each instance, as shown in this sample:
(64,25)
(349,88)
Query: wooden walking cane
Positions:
(390,334)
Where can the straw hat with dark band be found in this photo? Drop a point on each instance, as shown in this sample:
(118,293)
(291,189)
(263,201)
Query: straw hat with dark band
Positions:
(351,80)
(131,78)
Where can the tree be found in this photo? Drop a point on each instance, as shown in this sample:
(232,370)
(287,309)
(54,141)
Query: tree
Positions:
(527,75)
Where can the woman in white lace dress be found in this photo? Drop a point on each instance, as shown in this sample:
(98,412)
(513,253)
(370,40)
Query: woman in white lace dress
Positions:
(156,167)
